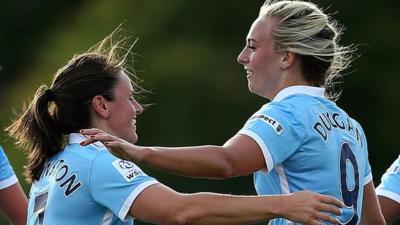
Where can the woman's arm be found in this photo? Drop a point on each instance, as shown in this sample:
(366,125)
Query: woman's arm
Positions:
(13,204)
(160,204)
(371,212)
(390,209)
(240,155)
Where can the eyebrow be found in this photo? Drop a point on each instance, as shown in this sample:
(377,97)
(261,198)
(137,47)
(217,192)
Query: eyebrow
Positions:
(251,40)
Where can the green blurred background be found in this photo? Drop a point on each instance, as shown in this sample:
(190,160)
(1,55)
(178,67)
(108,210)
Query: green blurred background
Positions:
(187,57)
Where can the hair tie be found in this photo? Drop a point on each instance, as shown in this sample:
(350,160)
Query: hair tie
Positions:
(50,95)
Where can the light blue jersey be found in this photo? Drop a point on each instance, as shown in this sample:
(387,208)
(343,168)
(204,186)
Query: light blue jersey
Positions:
(7,175)
(309,143)
(85,186)
(390,183)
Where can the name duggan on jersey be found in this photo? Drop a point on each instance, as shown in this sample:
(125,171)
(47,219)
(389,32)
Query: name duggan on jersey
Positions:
(328,121)
(59,170)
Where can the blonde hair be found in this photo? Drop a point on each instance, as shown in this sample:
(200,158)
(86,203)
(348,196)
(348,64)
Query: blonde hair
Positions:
(306,30)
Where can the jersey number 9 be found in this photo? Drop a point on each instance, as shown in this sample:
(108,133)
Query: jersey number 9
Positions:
(349,189)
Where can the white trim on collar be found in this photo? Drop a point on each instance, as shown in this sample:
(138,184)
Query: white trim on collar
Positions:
(298,89)
(76,138)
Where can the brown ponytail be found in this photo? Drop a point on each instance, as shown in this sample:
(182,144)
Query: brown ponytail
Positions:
(65,107)
(36,129)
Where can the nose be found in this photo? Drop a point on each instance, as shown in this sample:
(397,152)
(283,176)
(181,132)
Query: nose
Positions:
(242,57)
(138,107)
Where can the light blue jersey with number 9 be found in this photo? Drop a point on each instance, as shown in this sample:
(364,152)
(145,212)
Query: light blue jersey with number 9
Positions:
(309,143)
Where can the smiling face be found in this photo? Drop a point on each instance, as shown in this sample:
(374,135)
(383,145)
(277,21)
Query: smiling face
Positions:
(260,59)
(123,110)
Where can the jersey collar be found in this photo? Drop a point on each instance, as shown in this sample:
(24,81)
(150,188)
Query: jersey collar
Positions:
(298,89)
(76,138)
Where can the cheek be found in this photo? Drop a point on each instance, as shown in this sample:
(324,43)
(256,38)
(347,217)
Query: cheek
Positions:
(123,113)
(259,60)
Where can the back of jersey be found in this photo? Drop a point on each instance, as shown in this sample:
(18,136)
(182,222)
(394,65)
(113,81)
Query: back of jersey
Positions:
(309,143)
(335,156)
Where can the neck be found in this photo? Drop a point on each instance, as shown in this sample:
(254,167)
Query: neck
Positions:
(289,77)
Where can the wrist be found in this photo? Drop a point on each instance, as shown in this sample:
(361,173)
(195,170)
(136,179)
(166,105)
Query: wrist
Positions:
(143,154)
(279,209)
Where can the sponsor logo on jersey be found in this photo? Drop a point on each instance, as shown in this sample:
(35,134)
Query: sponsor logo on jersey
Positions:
(126,164)
(270,121)
(127,169)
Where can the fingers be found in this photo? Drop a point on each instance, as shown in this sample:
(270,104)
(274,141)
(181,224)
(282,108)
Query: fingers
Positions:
(330,208)
(91,131)
(329,205)
(104,138)
(331,200)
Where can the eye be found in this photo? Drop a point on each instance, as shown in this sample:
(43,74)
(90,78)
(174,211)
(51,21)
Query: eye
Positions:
(251,48)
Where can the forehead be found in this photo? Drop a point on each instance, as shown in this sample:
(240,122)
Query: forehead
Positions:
(262,29)
(124,82)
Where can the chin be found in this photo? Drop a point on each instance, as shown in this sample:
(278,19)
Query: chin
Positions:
(133,138)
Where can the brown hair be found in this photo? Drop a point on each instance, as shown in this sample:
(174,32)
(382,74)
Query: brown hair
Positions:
(64,107)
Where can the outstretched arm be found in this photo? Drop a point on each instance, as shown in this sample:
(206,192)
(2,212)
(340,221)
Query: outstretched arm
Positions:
(13,204)
(240,155)
(207,208)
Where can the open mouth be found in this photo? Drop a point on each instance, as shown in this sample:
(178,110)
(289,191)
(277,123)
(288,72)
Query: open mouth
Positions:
(248,72)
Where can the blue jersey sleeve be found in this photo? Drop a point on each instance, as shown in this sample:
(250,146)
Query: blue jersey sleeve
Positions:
(277,132)
(390,182)
(7,175)
(115,183)
(367,172)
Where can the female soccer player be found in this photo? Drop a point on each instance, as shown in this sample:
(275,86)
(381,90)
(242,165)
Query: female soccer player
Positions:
(389,193)
(301,140)
(72,184)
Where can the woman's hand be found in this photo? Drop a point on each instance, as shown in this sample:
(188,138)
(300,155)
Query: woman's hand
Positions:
(117,146)
(310,208)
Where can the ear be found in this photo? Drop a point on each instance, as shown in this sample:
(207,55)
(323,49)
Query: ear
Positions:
(288,59)
(100,106)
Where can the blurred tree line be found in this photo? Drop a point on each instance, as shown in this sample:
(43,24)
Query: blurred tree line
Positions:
(186,55)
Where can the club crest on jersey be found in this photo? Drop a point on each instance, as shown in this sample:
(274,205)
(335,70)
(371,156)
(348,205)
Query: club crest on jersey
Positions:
(270,121)
(127,169)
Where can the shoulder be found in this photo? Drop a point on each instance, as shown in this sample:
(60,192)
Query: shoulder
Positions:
(301,103)
(288,109)
(89,152)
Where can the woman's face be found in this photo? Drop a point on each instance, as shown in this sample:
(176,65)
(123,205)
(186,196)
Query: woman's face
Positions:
(123,110)
(261,61)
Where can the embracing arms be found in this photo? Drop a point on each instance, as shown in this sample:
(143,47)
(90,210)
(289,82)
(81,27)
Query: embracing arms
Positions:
(240,155)
(160,204)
